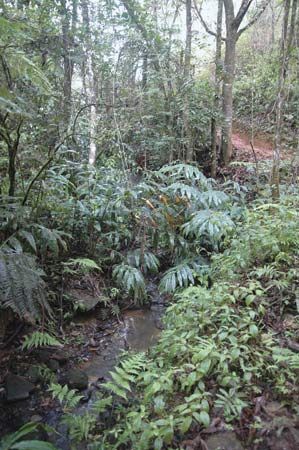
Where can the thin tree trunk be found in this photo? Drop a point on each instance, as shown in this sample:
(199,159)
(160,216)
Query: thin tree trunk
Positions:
(144,70)
(92,83)
(12,153)
(187,68)
(217,90)
(67,66)
(285,48)
(227,92)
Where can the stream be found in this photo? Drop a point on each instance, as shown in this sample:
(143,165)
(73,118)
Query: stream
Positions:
(102,342)
(137,330)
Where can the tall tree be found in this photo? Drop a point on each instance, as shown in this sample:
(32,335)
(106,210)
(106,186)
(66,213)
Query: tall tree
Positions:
(187,74)
(92,82)
(217,92)
(287,41)
(68,26)
(233,22)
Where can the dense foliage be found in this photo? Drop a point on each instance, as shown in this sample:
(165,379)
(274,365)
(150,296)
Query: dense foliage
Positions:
(116,141)
(220,349)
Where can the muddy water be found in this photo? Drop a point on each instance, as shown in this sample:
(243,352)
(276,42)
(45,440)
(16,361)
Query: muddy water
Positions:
(138,331)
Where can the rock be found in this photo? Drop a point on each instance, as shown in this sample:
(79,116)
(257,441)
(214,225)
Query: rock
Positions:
(76,378)
(17,388)
(224,441)
(45,354)
(53,365)
(36,418)
(33,374)
(92,342)
(85,300)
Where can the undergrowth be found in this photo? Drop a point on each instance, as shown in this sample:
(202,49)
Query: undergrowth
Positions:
(220,349)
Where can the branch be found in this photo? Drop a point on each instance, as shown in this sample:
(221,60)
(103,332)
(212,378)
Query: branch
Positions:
(44,167)
(245,5)
(204,23)
(255,17)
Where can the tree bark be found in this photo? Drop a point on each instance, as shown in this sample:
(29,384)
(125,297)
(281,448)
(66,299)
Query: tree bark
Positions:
(187,68)
(227,95)
(67,66)
(91,85)
(233,32)
(228,80)
(287,39)
(217,90)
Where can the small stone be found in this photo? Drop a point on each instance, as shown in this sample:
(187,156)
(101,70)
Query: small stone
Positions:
(33,374)
(53,365)
(44,355)
(224,441)
(17,388)
(36,418)
(92,342)
(76,379)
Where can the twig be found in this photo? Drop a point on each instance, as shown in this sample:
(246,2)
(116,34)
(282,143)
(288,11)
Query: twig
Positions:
(255,160)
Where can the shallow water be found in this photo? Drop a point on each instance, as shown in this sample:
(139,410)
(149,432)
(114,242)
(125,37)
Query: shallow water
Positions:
(137,331)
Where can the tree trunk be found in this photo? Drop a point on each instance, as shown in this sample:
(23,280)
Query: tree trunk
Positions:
(217,90)
(227,94)
(287,39)
(91,85)
(187,68)
(12,154)
(67,67)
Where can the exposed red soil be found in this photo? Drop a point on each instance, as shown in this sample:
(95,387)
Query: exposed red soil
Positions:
(262,146)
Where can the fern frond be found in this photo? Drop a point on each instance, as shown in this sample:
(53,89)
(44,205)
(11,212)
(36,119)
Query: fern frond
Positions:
(146,260)
(181,275)
(183,171)
(131,279)
(68,397)
(126,373)
(212,198)
(85,265)
(214,224)
(38,339)
(183,190)
(21,286)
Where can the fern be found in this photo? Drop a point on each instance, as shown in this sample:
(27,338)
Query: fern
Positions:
(131,279)
(146,261)
(50,239)
(84,265)
(125,374)
(38,339)
(213,198)
(230,402)
(68,397)
(183,171)
(101,404)
(213,224)
(79,427)
(181,275)
(21,286)
(184,190)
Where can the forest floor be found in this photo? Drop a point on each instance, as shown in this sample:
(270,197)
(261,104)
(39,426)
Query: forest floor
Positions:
(262,146)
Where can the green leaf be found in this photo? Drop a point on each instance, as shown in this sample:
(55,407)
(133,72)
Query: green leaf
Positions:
(204,418)
(253,330)
(186,424)
(33,445)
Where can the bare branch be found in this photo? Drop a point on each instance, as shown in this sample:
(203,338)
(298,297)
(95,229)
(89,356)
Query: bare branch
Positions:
(245,5)
(255,17)
(204,23)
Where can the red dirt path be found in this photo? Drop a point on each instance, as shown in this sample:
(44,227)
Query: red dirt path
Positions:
(263,146)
